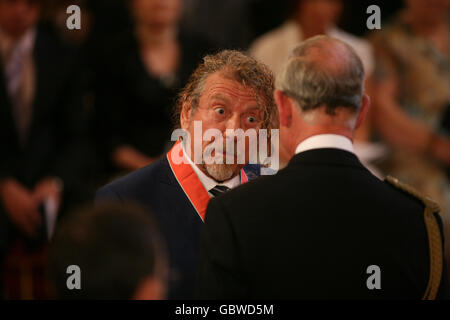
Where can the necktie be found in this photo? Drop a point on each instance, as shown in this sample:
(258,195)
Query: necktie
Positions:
(217,190)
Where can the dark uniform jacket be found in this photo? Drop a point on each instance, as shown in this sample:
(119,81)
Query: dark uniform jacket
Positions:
(315,231)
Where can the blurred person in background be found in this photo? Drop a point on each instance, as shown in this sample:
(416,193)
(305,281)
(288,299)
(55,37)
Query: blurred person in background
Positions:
(412,85)
(233,24)
(41,138)
(139,79)
(226,23)
(118,249)
(310,18)
(101,21)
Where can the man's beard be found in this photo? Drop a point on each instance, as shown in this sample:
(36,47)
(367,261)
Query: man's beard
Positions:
(221,172)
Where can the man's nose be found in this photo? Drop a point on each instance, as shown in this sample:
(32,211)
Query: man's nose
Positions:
(234,122)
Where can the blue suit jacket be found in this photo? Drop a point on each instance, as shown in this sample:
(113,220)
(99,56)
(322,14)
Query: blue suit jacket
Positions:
(156,188)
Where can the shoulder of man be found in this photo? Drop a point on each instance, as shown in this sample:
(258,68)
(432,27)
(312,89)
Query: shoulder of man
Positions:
(136,182)
(433,226)
(258,193)
(411,191)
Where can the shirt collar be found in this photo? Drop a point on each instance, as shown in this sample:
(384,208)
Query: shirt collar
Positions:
(208,182)
(322,141)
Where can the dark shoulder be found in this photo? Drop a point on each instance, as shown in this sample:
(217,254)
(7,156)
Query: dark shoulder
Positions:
(409,193)
(258,190)
(138,182)
(260,184)
(267,191)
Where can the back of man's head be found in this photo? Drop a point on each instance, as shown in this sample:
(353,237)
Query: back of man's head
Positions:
(116,251)
(323,71)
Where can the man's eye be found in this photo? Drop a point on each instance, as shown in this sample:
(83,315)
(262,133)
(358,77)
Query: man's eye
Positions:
(220,111)
(251,119)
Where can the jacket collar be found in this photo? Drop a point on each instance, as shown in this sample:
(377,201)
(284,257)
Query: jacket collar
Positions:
(321,141)
(326,156)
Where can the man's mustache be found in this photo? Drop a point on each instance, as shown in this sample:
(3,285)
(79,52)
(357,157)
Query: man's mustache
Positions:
(229,147)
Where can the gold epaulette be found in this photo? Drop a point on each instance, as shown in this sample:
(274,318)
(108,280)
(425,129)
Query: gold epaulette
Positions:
(434,236)
(427,201)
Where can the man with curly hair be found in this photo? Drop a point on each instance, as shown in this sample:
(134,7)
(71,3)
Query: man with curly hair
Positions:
(228,91)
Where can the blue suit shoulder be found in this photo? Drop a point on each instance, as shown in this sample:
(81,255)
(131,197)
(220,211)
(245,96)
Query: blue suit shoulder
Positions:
(136,184)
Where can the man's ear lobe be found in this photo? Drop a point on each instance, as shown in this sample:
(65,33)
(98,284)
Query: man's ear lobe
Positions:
(185,115)
(284,108)
(365,105)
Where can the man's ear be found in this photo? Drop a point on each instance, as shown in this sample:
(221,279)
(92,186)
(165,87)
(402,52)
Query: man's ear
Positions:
(365,105)
(185,115)
(284,108)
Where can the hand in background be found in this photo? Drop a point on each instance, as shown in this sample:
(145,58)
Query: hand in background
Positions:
(48,188)
(21,206)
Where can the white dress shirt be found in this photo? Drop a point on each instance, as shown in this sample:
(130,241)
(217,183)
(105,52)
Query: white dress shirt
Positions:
(210,183)
(322,141)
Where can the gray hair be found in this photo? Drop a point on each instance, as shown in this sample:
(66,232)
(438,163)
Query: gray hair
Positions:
(323,71)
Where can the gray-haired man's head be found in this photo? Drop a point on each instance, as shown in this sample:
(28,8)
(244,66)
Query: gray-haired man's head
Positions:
(323,71)
(320,90)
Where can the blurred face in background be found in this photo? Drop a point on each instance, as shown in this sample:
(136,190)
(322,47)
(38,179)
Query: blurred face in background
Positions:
(319,14)
(17,16)
(428,11)
(156,13)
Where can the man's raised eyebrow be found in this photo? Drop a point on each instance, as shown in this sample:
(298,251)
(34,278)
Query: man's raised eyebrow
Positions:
(220,96)
(255,107)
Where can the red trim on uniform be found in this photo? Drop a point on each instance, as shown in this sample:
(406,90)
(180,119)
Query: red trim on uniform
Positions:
(190,182)
(244,178)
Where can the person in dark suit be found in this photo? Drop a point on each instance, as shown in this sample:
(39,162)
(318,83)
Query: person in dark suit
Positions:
(227,91)
(324,227)
(40,125)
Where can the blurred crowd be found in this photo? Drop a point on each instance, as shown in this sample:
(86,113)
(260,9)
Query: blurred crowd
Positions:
(79,108)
